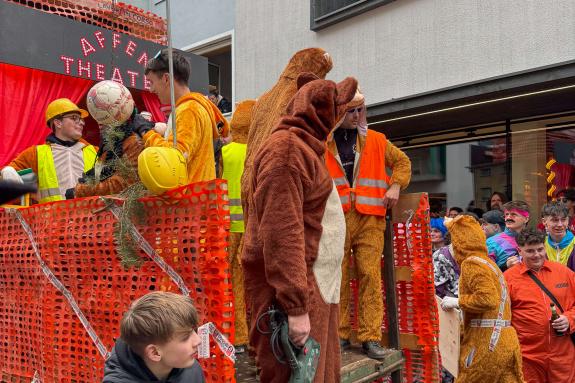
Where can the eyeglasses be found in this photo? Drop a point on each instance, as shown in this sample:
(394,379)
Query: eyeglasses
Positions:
(74,117)
(352,111)
(562,199)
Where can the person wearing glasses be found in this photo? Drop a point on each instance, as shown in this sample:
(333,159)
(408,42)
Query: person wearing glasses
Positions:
(62,160)
(199,122)
(357,159)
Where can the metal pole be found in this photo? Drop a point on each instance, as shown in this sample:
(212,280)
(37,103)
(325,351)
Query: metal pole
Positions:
(171,73)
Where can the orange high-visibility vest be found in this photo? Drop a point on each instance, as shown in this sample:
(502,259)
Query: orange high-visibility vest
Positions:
(371,181)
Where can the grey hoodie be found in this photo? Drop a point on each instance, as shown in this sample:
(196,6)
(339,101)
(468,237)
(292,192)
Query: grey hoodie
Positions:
(125,366)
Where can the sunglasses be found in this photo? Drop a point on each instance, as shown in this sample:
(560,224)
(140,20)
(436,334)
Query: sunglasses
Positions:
(352,111)
(562,199)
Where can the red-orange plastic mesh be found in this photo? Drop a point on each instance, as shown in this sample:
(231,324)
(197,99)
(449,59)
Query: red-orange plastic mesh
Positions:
(118,17)
(417,309)
(39,332)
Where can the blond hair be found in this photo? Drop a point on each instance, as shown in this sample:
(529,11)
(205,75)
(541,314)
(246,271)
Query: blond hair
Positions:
(156,318)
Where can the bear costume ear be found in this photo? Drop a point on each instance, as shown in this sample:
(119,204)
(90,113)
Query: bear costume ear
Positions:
(345,90)
(304,78)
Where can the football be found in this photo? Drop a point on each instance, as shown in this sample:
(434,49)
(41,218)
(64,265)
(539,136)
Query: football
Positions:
(110,103)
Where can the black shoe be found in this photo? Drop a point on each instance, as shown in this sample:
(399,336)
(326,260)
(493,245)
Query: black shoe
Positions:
(344,344)
(373,350)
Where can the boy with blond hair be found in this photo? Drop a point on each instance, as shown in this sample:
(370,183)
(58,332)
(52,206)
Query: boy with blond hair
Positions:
(158,342)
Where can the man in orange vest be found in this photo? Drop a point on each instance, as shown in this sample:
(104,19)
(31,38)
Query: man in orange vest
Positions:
(357,161)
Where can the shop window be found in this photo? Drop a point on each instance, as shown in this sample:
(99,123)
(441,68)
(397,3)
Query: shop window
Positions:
(543,159)
(328,12)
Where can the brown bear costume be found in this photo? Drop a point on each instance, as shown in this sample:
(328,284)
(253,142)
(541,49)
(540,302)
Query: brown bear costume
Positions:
(272,104)
(294,239)
(489,351)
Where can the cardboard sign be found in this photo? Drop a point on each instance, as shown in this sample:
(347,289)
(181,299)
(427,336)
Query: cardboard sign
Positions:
(449,337)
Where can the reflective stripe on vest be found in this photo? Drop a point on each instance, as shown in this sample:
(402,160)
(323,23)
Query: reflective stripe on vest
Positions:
(233,157)
(495,335)
(371,180)
(48,185)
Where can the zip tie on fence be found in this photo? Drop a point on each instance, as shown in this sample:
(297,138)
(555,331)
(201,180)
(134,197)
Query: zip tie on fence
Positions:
(60,287)
(36,378)
(207,329)
(149,250)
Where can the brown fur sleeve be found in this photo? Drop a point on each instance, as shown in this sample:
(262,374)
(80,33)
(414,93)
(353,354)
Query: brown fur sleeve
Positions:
(477,288)
(279,206)
(400,164)
(133,146)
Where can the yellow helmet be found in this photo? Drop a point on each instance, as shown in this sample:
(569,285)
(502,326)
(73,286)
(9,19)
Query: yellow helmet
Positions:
(161,169)
(61,106)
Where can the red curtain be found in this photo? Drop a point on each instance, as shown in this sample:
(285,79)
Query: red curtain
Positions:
(24,95)
(153,106)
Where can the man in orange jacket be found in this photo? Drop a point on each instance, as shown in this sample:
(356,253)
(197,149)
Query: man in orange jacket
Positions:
(198,121)
(547,357)
(357,161)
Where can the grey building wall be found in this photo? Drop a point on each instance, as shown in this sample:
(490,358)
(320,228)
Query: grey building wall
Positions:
(193,20)
(406,47)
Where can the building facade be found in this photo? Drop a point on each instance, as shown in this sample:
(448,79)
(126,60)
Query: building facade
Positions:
(479,93)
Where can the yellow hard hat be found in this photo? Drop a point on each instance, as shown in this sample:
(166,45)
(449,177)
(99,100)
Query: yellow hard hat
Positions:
(61,106)
(161,169)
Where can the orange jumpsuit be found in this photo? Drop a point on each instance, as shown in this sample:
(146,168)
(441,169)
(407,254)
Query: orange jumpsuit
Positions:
(546,358)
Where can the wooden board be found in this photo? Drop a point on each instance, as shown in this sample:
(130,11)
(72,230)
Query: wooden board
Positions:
(449,336)
(356,367)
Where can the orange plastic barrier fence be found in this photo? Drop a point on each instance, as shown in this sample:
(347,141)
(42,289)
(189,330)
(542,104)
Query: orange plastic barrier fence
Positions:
(117,16)
(417,309)
(42,334)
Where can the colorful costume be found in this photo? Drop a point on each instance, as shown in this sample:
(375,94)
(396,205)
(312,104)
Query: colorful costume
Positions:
(57,164)
(502,246)
(272,104)
(295,226)
(489,346)
(233,156)
(562,251)
(197,121)
(446,272)
(547,358)
(362,201)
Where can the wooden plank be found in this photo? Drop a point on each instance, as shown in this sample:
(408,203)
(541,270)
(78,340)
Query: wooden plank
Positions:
(403,274)
(356,367)
(407,202)
(449,337)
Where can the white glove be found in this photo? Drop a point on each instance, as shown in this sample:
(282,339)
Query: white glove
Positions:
(448,303)
(10,174)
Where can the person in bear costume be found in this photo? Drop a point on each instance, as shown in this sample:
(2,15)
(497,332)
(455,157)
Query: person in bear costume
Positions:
(295,229)
(272,104)
(489,346)
(233,157)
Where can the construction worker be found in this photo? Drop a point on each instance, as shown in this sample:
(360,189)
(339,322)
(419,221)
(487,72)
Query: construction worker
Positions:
(65,156)
(357,161)
(198,121)
(234,156)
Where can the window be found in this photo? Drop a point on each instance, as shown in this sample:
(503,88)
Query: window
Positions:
(328,12)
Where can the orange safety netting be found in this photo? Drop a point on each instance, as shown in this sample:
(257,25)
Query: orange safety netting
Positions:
(417,308)
(115,16)
(40,332)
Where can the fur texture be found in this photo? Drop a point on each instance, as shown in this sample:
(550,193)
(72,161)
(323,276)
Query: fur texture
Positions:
(480,294)
(291,187)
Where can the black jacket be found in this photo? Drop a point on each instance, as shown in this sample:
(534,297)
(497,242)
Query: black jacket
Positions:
(124,366)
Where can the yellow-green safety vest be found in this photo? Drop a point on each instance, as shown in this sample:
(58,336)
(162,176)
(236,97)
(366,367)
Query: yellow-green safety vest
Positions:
(48,186)
(234,156)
